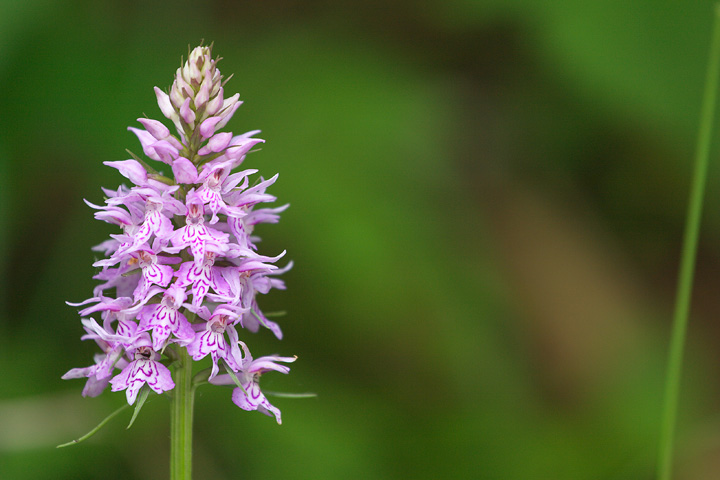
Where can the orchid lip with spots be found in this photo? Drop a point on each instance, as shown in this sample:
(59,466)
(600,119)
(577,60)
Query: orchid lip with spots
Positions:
(182,275)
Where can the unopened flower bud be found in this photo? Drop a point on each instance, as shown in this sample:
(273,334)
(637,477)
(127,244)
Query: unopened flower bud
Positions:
(203,95)
(165,105)
(215,103)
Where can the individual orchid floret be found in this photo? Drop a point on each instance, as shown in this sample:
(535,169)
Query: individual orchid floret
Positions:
(144,369)
(156,221)
(236,278)
(244,200)
(250,397)
(165,319)
(156,270)
(165,151)
(216,182)
(212,341)
(112,344)
(247,198)
(118,310)
(112,214)
(195,234)
(97,375)
(201,278)
(240,286)
(243,226)
(95,385)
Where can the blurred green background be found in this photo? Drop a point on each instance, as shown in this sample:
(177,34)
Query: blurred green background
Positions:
(487,200)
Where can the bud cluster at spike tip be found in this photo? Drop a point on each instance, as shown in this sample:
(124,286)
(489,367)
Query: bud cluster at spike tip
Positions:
(184,271)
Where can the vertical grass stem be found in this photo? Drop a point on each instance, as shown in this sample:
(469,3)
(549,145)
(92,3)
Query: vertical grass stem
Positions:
(687,261)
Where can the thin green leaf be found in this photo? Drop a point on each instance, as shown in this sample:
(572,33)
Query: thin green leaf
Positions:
(144,392)
(94,430)
(260,319)
(290,395)
(235,378)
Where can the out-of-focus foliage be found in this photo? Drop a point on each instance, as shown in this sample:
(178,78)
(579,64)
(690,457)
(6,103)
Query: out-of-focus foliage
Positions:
(486,207)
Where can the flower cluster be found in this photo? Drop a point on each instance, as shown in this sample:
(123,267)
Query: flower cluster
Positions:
(185,271)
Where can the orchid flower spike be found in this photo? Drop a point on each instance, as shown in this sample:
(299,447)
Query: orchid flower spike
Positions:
(181,273)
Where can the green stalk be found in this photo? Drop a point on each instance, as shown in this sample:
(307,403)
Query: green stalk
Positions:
(687,261)
(181,419)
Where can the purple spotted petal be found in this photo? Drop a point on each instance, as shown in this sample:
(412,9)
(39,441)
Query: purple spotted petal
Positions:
(164,321)
(140,372)
(255,400)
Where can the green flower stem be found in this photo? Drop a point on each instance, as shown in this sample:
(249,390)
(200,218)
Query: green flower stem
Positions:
(181,419)
(687,262)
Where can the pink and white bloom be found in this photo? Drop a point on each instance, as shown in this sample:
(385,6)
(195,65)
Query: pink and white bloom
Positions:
(211,340)
(155,271)
(165,318)
(201,278)
(195,234)
(144,369)
(250,397)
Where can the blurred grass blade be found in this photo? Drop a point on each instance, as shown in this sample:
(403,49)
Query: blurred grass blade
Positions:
(94,430)
(689,253)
